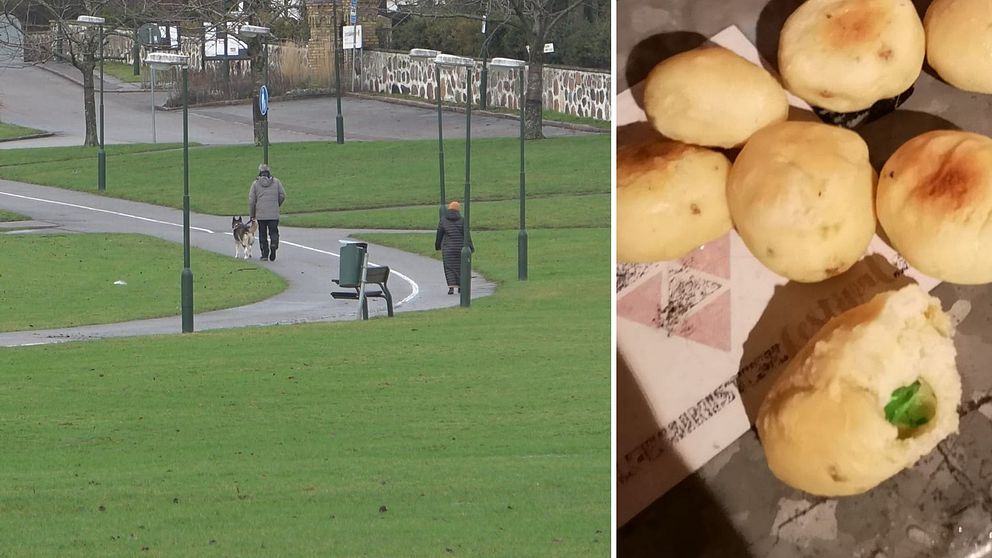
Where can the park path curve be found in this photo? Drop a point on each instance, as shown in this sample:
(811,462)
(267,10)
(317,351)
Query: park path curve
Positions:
(307,260)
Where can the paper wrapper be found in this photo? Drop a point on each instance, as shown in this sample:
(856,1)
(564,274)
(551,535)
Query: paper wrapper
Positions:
(699,340)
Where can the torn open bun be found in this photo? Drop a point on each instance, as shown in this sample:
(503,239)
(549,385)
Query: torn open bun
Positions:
(876,389)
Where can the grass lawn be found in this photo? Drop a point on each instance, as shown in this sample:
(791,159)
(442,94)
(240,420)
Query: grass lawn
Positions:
(324,177)
(9,131)
(557,211)
(119,70)
(462,432)
(8,216)
(37,294)
(549,115)
(78,156)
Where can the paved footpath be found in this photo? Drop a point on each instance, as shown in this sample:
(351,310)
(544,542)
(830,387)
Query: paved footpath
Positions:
(308,260)
(49,98)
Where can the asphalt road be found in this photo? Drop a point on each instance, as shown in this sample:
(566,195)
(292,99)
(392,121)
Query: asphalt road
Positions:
(50,98)
(308,260)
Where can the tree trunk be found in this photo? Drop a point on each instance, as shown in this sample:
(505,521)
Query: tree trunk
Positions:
(89,100)
(534,120)
(257,54)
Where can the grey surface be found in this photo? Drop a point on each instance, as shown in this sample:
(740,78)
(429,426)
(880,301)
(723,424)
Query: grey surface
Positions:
(733,507)
(49,98)
(306,260)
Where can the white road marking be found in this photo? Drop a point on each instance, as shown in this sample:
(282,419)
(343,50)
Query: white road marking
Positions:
(415,288)
(98,210)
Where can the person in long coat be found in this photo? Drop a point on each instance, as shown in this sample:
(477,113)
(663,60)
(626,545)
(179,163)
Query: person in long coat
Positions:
(450,240)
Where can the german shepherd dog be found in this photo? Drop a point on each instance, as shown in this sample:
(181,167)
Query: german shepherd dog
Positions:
(244,236)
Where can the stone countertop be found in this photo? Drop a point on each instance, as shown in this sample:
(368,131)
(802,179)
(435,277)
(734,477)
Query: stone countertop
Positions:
(733,506)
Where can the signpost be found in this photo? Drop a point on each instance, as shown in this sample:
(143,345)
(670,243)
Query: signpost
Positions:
(352,40)
(352,36)
(158,37)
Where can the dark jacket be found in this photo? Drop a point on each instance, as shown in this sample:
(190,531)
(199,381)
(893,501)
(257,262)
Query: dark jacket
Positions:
(451,233)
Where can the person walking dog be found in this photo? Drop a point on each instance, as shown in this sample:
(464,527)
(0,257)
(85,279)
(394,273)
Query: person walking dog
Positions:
(450,240)
(264,199)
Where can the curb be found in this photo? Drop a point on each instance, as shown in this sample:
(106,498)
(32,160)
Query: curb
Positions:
(33,136)
(232,102)
(80,83)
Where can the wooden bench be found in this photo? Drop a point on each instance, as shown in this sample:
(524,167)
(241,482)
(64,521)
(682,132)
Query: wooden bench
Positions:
(378,275)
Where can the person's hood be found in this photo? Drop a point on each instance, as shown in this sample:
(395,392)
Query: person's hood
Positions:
(452,215)
(264,181)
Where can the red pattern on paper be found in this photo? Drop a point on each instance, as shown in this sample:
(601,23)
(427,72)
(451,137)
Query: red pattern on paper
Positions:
(689,298)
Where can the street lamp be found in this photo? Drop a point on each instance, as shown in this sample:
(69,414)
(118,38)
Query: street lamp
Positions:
(165,61)
(465,281)
(101,156)
(511,64)
(426,55)
(263,105)
(339,121)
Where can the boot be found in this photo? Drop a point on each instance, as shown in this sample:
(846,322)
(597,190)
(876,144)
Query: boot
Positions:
(272,254)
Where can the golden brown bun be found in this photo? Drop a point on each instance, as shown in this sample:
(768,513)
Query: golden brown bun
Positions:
(800,195)
(711,96)
(843,55)
(671,199)
(935,204)
(958,42)
(823,425)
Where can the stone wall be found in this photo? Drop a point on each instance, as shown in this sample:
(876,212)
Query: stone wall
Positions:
(568,90)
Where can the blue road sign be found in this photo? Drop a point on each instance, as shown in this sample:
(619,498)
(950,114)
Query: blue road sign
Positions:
(263,100)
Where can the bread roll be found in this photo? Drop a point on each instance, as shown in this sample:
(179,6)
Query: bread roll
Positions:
(800,195)
(935,204)
(671,199)
(844,55)
(711,96)
(823,425)
(958,42)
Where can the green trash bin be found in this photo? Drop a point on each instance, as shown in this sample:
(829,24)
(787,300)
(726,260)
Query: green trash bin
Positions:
(352,258)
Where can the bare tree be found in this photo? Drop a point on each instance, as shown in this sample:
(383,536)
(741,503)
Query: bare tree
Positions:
(537,18)
(80,45)
(263,13)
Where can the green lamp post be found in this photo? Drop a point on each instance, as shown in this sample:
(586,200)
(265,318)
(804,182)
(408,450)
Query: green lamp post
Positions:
(465,281)
(513,64)
(339,120)
(426,54)
(165,61)
(101,156)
